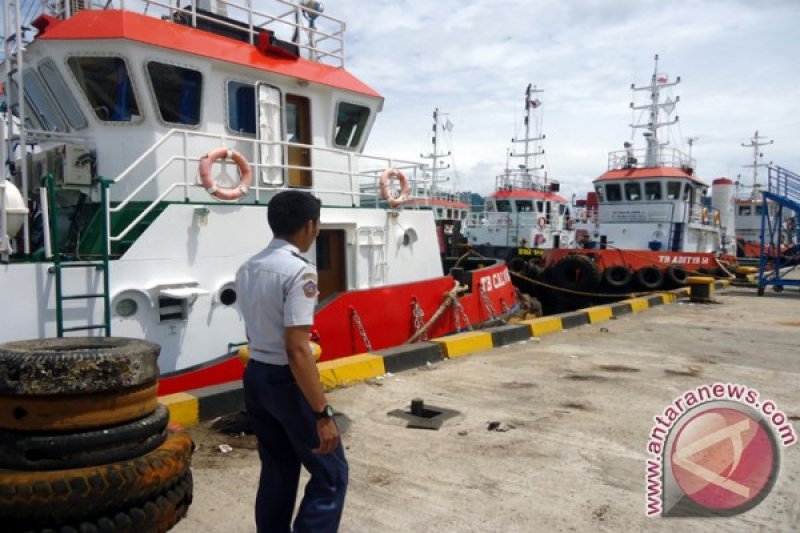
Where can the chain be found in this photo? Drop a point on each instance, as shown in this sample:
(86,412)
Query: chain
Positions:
(488,303)
(459,310)
(419,317)
(360,327)
(506,309)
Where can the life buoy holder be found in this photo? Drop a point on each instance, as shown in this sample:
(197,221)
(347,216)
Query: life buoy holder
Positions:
(210,185)
(542,222)
(386,192)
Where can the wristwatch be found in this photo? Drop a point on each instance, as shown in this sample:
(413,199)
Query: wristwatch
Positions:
(327,412)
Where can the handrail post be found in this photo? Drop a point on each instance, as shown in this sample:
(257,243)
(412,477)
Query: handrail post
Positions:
(104,199)
(55,242)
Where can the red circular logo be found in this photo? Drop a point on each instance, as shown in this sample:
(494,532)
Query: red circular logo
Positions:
(724,459)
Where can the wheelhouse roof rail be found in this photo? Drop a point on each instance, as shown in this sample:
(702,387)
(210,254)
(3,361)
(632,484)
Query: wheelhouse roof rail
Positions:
(667,157)
(317,36)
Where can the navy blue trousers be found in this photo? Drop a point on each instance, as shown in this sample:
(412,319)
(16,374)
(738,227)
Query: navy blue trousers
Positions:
(287,432)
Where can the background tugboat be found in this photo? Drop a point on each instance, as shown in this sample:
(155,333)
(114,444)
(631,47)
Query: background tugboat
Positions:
(649,221)
(525,215)
(147,146)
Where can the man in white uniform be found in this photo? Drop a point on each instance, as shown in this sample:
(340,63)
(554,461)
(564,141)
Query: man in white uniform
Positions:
(291,417)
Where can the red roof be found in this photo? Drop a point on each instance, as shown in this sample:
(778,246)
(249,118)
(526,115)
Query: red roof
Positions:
(525,194)
(115,24)
(722,181)
(645,173)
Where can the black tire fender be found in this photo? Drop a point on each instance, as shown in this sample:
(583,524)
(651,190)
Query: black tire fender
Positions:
(617,276)
(576,272)
(649,277)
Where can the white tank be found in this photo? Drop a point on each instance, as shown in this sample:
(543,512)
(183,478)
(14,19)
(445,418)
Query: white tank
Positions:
(723,194)
(16,210)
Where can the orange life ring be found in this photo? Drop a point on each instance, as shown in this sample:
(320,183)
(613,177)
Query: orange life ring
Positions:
(386,191)
(539,239)
(542,222)
(222,193)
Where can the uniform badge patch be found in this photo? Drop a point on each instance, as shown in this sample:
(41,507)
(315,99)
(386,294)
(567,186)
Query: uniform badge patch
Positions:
(309,275)
(310,289)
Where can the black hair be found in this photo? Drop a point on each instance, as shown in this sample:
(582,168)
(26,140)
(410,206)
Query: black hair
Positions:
(289,210)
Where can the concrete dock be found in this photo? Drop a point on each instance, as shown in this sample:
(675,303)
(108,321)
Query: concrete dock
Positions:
(571,414)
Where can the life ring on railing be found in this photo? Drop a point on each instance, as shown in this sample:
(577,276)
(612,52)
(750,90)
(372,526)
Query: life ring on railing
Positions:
(385,181)
(704,215)
(539,239)
(542,222)
(210,185)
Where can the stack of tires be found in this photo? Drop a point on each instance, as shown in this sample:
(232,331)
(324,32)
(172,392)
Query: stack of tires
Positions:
(84,445)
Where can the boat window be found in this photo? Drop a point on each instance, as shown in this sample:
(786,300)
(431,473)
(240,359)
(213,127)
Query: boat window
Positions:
(439,212)
(242,107)
(490,206)
(108,87)
(524,205)
(463,215)
(178,92)
(64,98)
(633,191)
(759,210)
(42,103)
(687,192)
(744,210)
(449,213)
(351,121)
(561,209)
(598,189)
(504,206)
(32,119)
(673,190)
(539,206)
(613,192)
(652,190)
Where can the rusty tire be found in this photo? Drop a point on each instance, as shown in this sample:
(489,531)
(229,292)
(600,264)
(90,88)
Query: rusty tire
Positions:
(77,411)
(157,515)
(60,451)
(76,365)
(64,496)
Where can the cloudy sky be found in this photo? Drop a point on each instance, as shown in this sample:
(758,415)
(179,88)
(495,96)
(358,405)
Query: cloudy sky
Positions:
(473,59)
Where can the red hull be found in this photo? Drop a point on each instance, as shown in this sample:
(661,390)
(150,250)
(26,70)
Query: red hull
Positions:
(386,314)
(637,259)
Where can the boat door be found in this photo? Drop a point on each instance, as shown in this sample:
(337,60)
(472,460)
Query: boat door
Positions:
(298,131)
(331,262)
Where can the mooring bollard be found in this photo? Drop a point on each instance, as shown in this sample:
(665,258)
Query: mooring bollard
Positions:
(699,288)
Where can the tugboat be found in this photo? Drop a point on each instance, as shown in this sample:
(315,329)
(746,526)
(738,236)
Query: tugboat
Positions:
(525,215)
(649,221)
(139,169)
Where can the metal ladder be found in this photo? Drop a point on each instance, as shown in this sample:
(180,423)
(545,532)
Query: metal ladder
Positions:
(59,264)
(783,190)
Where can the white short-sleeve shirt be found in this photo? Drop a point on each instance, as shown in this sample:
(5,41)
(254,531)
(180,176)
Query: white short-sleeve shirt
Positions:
(276,288)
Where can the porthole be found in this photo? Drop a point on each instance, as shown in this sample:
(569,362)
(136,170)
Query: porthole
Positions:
(126,307)
(227,296)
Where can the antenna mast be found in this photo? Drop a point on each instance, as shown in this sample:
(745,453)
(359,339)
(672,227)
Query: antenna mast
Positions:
(435,156)
(756,142)
(531,103)
(657,82)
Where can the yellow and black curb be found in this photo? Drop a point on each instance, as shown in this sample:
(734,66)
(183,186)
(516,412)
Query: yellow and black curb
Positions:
(189,408)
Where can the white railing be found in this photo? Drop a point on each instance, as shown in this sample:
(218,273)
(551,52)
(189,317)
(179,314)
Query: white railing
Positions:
(667,157)
(362,172)
(289,21)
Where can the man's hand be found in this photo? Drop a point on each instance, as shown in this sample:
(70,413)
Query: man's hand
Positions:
(328,436)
